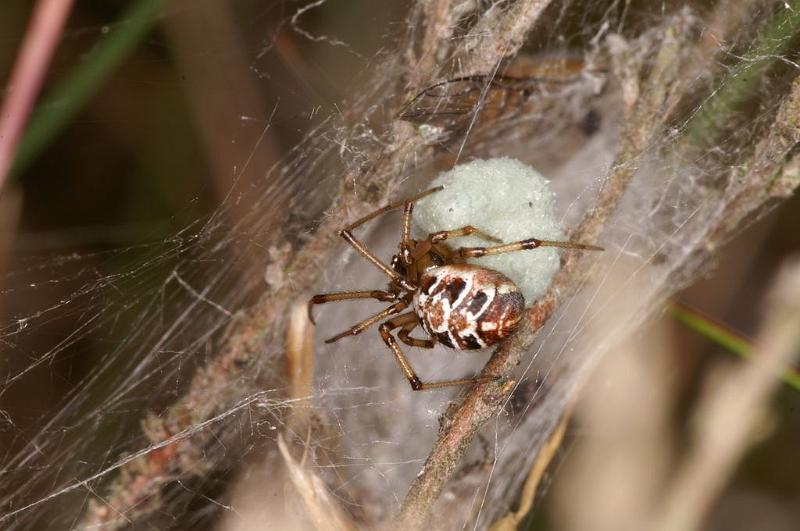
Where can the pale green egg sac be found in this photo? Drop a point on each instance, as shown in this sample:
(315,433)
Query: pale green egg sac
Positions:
(506,199)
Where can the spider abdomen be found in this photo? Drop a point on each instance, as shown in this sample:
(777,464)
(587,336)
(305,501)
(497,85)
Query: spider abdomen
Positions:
(468,307)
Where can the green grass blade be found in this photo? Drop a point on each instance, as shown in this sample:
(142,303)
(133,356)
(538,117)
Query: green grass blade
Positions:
(724,337)
(66,100)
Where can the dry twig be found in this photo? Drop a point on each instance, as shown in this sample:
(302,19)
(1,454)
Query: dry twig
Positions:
(321,509)
(543,459)
(499,34)
(299,362)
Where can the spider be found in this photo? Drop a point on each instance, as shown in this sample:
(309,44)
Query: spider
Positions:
(460,305)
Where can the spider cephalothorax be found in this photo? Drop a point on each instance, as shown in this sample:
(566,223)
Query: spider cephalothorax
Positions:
(459,305)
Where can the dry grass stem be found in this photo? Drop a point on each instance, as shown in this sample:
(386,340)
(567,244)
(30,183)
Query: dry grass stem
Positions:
(732,407)
(543,459)
(439,22)
(321,509)
(44,32)
(299,363)
(617,464)
(499,34)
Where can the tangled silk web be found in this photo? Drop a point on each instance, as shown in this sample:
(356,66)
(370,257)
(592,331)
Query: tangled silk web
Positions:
(639,121)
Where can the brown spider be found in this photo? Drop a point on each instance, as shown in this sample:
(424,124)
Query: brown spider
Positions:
(459,305)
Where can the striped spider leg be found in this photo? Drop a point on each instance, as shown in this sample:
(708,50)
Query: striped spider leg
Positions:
(397,281)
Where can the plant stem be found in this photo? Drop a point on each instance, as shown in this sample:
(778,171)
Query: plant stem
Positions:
(725,337)
(47,23)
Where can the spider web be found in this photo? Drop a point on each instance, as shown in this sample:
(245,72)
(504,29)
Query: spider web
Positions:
(157,318)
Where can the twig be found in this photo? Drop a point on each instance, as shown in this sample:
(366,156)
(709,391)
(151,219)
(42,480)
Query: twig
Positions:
(543,459)
(732,409)
(44,32)
(499,34)
(321,508)
(439,20)
(484,400)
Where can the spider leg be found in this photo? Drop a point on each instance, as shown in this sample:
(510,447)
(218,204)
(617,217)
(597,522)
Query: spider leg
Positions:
(531,243)
(417,384)
(423,247)
(347,235)
(356,329)
(468,230)
(392,206)
(405,237)
(322,298)
(406,329)
(363,251)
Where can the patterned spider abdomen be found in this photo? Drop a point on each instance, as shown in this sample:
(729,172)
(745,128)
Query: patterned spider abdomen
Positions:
(468,307)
